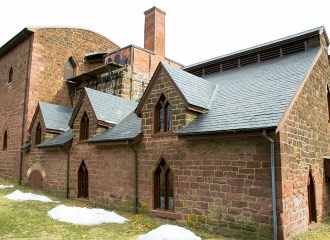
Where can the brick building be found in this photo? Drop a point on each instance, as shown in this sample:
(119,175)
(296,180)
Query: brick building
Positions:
(237,143)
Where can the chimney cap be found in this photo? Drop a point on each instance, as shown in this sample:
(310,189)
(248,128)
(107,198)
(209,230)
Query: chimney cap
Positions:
(154,9)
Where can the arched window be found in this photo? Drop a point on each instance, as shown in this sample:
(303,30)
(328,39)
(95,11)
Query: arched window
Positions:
(311,199)
(5,141)
(163,187)
(38,134)
(109,60)
(84,127)
(10,76)
(82,181)
(162,118)
(328,97)
(117,59)
(70,68)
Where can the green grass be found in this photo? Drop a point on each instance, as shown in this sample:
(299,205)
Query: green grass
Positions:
(321,231)
(29,220)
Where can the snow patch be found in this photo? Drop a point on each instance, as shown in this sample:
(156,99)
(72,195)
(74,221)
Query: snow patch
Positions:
(6,186)
(20,196)
(85,216)
(169,232)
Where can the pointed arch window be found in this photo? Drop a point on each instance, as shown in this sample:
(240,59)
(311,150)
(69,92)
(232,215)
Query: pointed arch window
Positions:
(10,76)
(5,141)
(163,187)
(82,181)
(84,127)
(38,134)
(70,68)
(162,118)
(328,98)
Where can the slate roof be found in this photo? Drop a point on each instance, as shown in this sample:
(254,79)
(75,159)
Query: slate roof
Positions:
(127,129)
(311,32)
(253,96)
(56,117)
(27,145)
(58,141)
(197,91)
(109,108)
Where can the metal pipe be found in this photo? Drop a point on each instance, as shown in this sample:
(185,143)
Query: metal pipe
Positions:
(24,109)
(67,174)
(272,161)
(136,198)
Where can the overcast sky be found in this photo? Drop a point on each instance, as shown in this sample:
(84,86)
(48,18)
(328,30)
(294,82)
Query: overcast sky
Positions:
(195,30)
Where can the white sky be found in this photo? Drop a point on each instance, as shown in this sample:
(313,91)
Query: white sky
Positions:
(195,30)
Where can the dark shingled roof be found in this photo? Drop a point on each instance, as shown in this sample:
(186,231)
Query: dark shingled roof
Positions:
(58,141)
(197,91)
(253,96)
(127,129)
(109,108)
(26,146)
(311,32)
(56,117)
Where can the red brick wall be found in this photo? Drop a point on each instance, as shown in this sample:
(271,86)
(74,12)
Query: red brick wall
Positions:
(11,107)
(141,66)
(154,31)
(110,168)
(51,48)
(219,183)
(304,142)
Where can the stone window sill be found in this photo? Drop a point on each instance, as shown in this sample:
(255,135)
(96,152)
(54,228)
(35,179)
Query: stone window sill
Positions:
(162,134)
(164,214)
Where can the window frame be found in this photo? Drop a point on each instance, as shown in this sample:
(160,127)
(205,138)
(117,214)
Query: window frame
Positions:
(84,127)
(165,105)
(83,178)
(163,168)
(37,139)
(328,101)
(5,141)
(70,66)
(10,75)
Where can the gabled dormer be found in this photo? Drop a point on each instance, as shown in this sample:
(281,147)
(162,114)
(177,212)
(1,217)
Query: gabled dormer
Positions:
(173,99)
(96,112)
(49,120)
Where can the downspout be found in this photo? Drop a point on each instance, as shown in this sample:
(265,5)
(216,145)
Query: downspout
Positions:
(272,161)
(24,110)
(67,173)
(136,199)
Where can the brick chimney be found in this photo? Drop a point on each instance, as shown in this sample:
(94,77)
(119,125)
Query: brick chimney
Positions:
(154,31)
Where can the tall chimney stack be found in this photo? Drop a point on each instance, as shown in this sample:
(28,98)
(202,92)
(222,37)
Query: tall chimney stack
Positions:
(154,31)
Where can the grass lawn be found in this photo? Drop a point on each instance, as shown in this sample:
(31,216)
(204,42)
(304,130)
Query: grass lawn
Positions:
(29,219)
(321,231)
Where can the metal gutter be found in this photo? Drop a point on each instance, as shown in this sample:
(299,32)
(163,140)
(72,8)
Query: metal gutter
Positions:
(17,39)
(272,161)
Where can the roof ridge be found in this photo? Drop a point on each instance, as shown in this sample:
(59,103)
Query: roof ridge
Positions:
(317,30)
